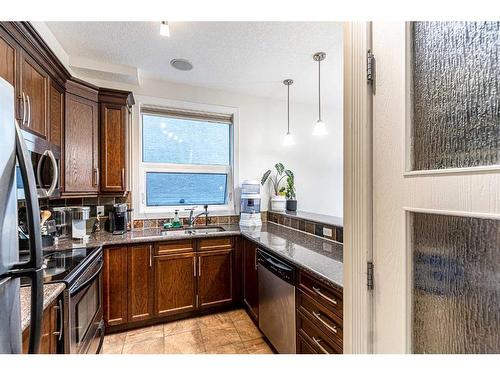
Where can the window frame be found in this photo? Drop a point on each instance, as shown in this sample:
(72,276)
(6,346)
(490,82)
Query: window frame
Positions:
(140,168)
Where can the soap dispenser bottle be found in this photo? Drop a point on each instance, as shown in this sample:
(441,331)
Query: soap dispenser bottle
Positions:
(176,223)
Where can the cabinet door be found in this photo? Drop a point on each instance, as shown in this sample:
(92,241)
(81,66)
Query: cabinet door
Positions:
(113,147)
(8,60)
(35,87)
(81,142)
(48,340)
(175,283)
(56,114)
(140,282)
(250,281)
(215,277)
(115,286)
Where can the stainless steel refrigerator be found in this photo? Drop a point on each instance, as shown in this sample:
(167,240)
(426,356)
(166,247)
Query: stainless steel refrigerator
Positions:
(14,157)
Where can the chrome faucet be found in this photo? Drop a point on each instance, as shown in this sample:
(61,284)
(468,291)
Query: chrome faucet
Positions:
(192,218)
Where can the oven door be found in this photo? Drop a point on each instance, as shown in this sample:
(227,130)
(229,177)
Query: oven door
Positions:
(86,311)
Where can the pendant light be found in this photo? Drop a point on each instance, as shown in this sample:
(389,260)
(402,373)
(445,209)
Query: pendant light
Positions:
(164,29)
(319,127)
(288,141)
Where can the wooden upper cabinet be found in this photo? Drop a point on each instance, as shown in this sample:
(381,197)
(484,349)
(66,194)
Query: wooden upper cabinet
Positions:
(81,142)
(215,277)
(115,285)
(250,278)
(56,114)
(140,282)
(175,283)
(8,60)
(115,106)
(35,93)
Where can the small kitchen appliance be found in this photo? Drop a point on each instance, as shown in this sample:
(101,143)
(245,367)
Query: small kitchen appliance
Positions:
(250,204)
(78,217)
(118,218)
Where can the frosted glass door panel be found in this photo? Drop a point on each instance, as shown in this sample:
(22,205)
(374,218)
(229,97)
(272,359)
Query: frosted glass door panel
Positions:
(456,284)
(455,94)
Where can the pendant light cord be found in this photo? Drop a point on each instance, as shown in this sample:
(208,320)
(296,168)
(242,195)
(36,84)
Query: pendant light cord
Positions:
(288,107)
(319,89)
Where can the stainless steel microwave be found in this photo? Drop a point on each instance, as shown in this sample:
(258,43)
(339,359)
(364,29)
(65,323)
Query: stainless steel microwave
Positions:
(46,161)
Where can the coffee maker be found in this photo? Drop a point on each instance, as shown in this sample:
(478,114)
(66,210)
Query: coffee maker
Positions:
(118,218)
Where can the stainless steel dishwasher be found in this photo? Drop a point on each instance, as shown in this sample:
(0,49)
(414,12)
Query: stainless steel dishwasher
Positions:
(277,301)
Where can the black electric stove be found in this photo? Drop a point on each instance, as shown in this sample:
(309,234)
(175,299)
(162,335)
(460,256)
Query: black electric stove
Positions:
(65,265)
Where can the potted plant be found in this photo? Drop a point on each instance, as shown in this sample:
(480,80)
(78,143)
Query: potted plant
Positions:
(278,200)
(291,201)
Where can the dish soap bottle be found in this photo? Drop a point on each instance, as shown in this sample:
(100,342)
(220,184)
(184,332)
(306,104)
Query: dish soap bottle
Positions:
(176,223)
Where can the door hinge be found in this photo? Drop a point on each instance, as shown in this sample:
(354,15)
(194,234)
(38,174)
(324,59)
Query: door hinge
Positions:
(369,275)
(370,70)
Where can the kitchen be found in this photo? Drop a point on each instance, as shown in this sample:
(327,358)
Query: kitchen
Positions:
(247,188)
(133,244)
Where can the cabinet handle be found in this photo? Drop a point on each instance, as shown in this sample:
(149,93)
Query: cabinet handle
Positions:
(331,300)
(194,266)
(24,109)
(123,177)
(61,320)
(199,266)
(330,327)
(29,111)
(255,260)
(318,343)
(96,177)
(150,256)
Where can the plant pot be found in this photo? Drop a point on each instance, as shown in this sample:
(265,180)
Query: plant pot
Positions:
(291,205)
(278,203)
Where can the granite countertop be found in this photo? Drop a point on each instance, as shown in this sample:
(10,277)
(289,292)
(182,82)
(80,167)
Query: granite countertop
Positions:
(50,293)
(310,253)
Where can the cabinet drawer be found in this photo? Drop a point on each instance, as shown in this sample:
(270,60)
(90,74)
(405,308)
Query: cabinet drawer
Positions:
(303,347)
(219,243)
(324,319)
(320,341)
(321,293)
(173,247)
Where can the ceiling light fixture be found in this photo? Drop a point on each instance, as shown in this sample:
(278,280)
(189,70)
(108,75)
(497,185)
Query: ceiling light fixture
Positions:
(319,127)
(181,64)
(164,29)
(288,141)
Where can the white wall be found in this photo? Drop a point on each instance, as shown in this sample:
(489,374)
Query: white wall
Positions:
(316,162)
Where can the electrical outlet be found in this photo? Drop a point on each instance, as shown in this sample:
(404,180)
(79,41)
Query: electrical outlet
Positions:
(100,210)
(327,232)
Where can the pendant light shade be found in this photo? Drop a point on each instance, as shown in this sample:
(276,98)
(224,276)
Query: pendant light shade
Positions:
(288,141)
(164,29)
(320,126)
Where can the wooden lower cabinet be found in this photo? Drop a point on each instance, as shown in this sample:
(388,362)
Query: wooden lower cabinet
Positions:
(319,316)
(115,285)
(250,279)
(140,282)
(215,277)
(147,282)
(175,284)
(48,342)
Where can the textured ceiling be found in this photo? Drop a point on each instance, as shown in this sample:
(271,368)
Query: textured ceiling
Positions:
(245,57)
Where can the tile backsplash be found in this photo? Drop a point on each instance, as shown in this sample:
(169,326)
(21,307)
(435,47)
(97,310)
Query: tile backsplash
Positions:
(309,226)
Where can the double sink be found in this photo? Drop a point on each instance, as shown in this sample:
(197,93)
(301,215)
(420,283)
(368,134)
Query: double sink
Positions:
(192,231)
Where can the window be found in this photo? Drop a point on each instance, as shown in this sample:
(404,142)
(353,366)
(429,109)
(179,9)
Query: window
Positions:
(186,160)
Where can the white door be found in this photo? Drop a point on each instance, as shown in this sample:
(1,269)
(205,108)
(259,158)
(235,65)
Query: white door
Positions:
(436,187)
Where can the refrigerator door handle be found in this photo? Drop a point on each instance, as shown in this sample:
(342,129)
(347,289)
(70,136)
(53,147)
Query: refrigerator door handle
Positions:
(32,208)
(36,311)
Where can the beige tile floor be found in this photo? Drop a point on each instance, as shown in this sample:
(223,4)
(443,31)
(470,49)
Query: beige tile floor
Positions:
(231,332)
